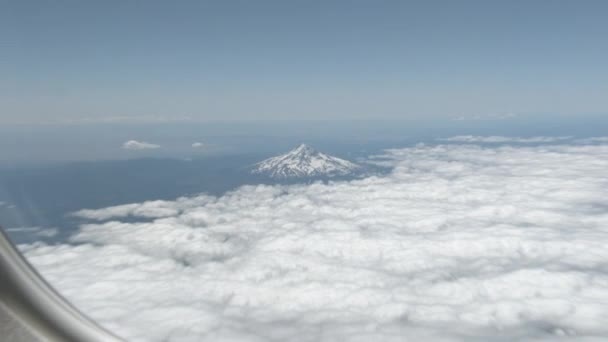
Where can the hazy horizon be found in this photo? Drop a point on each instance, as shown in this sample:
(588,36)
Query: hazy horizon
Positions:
(41,143)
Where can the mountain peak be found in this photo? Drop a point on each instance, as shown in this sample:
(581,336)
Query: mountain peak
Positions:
(303,150)
(304,161)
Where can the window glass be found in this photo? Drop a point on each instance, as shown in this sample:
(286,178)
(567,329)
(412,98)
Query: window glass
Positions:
(312,171)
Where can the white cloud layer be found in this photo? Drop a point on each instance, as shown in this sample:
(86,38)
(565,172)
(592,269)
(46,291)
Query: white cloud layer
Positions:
(457,243)
(502,139)
(593,140)
(138,145)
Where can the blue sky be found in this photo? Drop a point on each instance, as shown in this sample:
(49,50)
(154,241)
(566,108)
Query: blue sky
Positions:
(77,61)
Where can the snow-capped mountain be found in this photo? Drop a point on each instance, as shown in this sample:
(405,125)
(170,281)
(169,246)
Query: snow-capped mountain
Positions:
(304,161)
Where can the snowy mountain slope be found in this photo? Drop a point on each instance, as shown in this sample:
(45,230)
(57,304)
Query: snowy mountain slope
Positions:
(304,161)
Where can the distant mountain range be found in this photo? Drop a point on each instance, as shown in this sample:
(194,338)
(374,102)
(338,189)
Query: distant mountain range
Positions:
(304,161)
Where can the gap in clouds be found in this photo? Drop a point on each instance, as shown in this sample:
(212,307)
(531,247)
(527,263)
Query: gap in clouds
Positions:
(457,242)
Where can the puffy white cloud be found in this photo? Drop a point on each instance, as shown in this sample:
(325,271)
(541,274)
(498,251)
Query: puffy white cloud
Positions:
(502,139)
(139,145)
(458,242)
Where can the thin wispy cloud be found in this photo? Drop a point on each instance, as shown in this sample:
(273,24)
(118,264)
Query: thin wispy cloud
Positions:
(488,117)
(593,140)
(34,231)
(457,242)
(139,145)
(150,209)
(503,139)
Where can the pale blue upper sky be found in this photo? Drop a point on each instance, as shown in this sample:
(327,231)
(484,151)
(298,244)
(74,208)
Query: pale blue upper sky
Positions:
(89,61)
